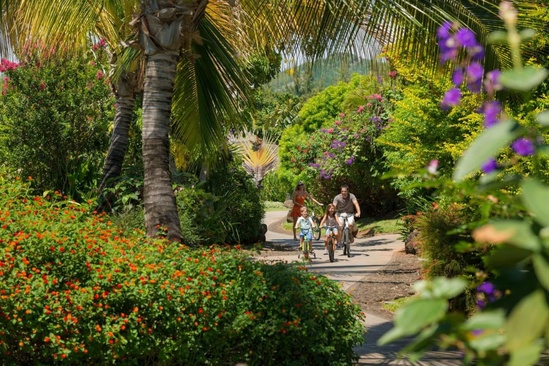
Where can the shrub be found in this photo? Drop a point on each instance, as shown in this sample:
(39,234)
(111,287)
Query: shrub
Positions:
(55,117)
(75,289)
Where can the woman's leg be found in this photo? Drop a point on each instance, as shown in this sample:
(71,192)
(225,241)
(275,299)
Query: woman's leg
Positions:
(293,227)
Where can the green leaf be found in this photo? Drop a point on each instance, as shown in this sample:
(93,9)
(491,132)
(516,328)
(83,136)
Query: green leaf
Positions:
(541,267)
(523,80)
(486,146)
(522,236)
(526,356)
(527,321)
(420,313)
(447,288)
(507,255)
(543,118)
(391,336)
(487,342)
(497,37)
(527,34)
(534,196)
(494,319)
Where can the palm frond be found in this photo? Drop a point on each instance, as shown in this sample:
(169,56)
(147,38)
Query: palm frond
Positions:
(259,156)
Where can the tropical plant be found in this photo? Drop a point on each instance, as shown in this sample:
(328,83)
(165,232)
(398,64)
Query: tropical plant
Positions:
(511,324)
(55,116)
(259,155)
(167,30)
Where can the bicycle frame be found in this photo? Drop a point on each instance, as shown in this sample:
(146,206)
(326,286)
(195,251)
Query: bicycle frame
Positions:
(331,242)
(345,235)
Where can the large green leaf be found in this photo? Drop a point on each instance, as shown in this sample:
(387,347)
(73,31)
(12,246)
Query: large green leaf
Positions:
(420,313)
(541,267)
(523,80)
(488,342)
(534,196)
(506,255)
(494,319)
(527,321)
(526,356)
(522,235)
(486,146)
(543,118)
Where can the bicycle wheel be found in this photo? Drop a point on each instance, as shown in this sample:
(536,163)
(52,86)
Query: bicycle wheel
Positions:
(348,243)
(317,231)
(345,241)
(331,248)
(306,249)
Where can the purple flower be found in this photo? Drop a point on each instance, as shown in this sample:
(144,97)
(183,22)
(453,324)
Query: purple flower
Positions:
(491,112)
(481,304)
(523,146)
(443,32)
(491,82)
(466,37)
(457,76)
(488,167)
(476,52)
(486,288)
(350,160)
(451,98)
(474,72)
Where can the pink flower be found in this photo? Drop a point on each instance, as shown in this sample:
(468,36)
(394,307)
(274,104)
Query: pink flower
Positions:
(337,122)
(368,105)
(330,130)
(99,75)
(342,115)
(432,167)
(42,86)
(360,109)
(393,74)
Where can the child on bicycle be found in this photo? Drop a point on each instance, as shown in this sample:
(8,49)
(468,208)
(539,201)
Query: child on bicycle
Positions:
(305,224)
(331,221)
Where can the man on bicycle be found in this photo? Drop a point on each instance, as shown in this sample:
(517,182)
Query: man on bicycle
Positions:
(346,202)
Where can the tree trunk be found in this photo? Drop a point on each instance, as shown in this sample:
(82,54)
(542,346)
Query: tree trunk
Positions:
(124,92)
(160,206)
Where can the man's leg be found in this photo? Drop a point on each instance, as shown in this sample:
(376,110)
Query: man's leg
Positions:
(338,235)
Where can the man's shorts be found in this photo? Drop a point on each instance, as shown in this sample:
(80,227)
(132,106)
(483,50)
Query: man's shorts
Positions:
(350,219)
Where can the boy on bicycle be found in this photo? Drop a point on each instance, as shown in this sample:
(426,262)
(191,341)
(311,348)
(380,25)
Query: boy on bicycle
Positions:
(305,224)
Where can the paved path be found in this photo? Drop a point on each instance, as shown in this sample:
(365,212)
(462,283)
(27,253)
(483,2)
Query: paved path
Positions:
(368,256)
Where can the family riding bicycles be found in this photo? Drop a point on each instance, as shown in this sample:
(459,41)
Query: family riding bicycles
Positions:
(338,221)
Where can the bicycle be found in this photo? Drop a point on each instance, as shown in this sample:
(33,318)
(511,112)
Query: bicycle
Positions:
(307,248)
(331,242)
(317,232)
(346,235)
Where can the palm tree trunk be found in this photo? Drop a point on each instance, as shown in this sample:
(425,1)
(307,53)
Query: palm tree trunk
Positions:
(124,92)
(160,206)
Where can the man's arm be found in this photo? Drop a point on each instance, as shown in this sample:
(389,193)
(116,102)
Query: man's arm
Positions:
(357,208)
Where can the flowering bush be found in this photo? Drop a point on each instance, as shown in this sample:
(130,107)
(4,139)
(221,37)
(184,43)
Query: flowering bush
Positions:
(55,117)
(511,326)
(76,289)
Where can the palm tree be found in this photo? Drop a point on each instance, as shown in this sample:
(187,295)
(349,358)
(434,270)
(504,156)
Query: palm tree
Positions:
(167,37)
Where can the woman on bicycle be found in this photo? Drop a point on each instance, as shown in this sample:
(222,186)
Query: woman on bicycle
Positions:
(331,221)
(299,197)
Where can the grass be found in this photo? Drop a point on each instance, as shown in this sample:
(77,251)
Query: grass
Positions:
(380,226)
(274,206)
(394,305)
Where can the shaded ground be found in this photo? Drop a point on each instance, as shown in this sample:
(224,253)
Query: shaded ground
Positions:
(393,282)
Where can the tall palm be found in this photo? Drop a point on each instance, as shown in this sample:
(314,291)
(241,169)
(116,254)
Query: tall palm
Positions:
(167,31)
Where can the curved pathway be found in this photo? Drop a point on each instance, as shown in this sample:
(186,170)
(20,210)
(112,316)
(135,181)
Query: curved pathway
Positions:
(369,255)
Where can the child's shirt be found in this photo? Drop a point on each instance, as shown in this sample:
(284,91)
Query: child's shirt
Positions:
(304,223)
(331,221)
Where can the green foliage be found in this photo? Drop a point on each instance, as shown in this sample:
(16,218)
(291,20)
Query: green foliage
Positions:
(511,326)
(75,289)
(421,131)
(272,188)
(224,209)
(54,122)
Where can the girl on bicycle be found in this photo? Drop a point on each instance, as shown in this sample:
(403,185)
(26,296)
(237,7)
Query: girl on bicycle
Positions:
(306,225)
(331,221)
